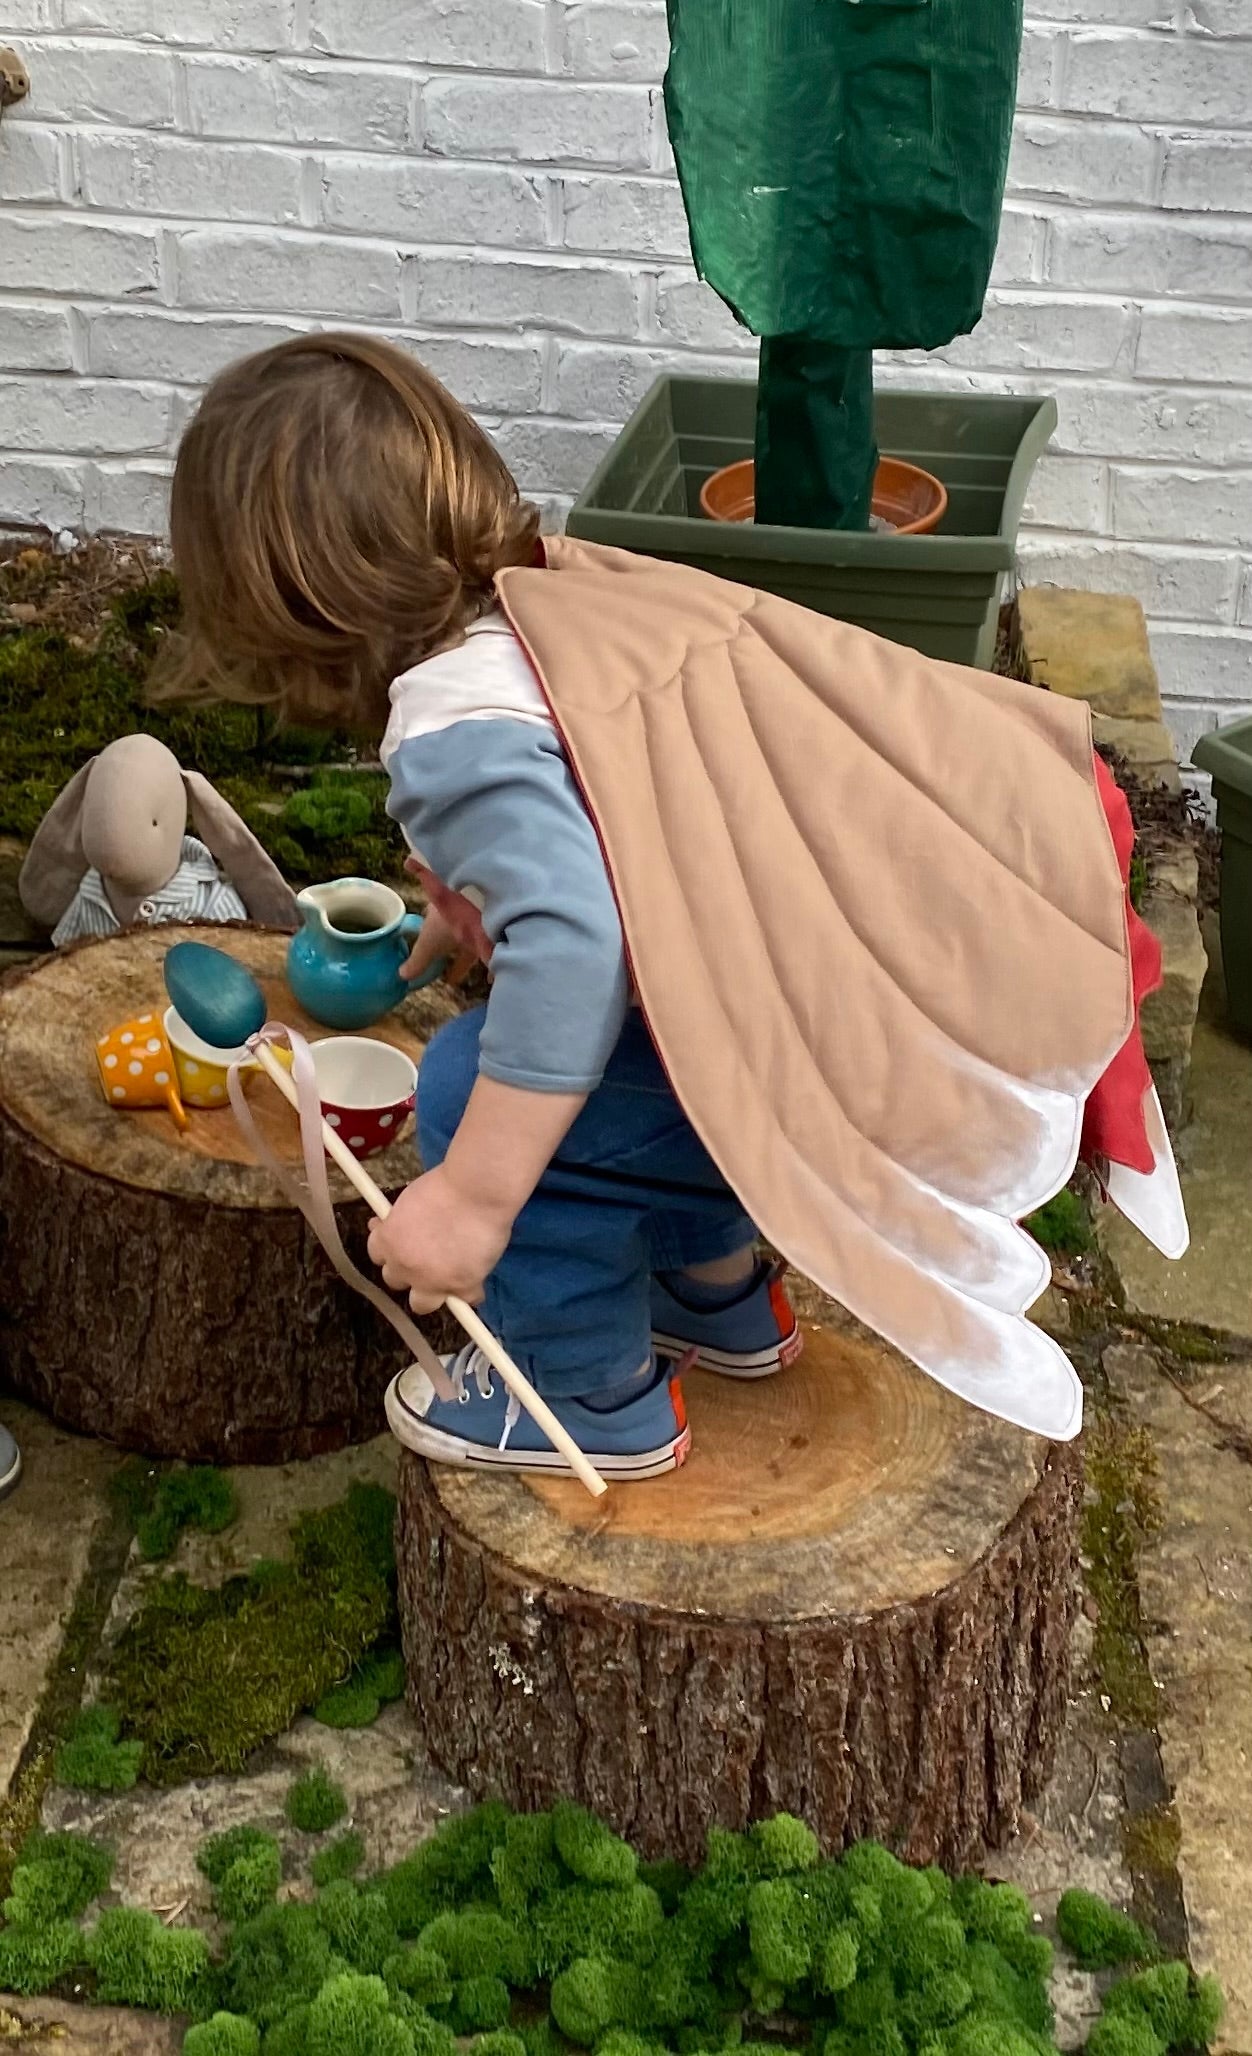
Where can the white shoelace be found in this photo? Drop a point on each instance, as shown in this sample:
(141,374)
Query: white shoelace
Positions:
(472,1362)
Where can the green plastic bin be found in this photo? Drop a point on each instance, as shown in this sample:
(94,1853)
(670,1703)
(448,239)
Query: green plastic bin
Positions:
(940,593)
(1227,755)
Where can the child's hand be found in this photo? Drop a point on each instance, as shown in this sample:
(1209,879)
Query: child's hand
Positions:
(436,940)
(436,1243)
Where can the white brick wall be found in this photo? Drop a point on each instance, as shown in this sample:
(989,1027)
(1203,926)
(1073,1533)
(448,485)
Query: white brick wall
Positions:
(490,181)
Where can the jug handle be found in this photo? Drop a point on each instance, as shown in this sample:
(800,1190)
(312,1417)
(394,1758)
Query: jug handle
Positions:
(410,929)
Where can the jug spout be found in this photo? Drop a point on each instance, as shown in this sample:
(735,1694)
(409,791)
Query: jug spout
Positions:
(354,910)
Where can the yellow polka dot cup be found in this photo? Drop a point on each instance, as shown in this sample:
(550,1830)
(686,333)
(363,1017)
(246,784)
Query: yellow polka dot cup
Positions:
(138,1068)
(201,1068)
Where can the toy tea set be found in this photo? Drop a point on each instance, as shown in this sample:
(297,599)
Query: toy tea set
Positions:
(113,849)
(220,1002)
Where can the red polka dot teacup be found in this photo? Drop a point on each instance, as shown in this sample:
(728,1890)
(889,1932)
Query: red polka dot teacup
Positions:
(366,1089)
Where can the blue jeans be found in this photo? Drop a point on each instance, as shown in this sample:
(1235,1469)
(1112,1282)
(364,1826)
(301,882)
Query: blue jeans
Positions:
(631,1191)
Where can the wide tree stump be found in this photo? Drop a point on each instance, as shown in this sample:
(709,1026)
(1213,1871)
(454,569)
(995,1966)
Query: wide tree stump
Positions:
(854,1604)
(160,1290)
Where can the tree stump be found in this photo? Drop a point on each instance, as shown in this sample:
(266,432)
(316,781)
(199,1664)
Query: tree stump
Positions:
(854,1604)
(160,1290)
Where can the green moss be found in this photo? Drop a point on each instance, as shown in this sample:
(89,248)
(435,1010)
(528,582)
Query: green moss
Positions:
(352,2016)
(280,1634)
(250,1883)
(1182,2011)
(93,1759)
(1063,1227)
(1116,2035)
(591,1850)
(358,1702)
(478,2003)
(359,1925)
(33,1959)
(1183,1340)
(138,1962)
(1099,1936)
(341,1859)
(499,2043)
(226,2034)
(57,1877)
(315,1802)
(62,700)
(855,1956)
(1121,1514)
(201,1498)
(453,1868)
(275,1963)
(220,1853)
(159,1504)
(1152,1842)
(421,1975)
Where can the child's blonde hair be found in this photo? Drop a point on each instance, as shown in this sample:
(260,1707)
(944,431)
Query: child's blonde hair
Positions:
(336,517)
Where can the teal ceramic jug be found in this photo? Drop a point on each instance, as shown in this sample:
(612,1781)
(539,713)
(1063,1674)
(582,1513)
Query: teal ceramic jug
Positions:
(344,964)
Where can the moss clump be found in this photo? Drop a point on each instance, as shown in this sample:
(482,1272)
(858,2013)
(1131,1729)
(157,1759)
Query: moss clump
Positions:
(161,1504)
(1063,1227)
(93,1759)
(1098,1936)
(275,1964)
(352,2016)
(33,1959)
(359,1925)
(420,1975)
(358,1702)
(341,1859)
(315,1802)
(220,1853)
(138,1962)
(1166,2007)
(1121,1514)
(57,1877)
(226,2034)
(452,1869)
(280,1634)
(250,1882)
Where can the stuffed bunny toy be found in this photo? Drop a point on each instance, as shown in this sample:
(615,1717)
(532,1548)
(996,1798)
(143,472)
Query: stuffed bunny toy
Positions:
(114,849)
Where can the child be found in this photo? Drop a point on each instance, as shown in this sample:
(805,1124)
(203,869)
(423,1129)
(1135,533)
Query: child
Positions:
(788,928)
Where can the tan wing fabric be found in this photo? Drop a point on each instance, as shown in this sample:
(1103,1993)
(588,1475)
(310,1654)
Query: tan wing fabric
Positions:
(876,923)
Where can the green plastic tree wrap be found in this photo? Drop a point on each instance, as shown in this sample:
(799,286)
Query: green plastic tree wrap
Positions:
(842,163)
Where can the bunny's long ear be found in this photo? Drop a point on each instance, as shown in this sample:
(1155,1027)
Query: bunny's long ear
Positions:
(265,893)
(55,864)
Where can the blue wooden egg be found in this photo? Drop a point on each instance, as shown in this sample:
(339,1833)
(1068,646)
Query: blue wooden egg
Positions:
(220,1001)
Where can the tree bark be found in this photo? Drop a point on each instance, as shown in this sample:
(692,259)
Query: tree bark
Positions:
(854,1605)
(161,1291)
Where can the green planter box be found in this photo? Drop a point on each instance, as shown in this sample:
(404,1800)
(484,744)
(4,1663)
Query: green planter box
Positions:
(1227,754)
(938,593)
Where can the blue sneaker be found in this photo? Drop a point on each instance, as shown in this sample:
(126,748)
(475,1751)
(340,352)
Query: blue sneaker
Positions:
(752,1335)
(484,1425)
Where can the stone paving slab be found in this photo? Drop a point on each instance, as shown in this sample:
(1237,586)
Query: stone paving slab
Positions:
(395,1800)
(1091,646)
(47,1527)
(1195,1585)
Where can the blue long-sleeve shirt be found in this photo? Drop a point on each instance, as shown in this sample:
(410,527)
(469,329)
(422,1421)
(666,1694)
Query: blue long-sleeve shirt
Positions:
(490,806)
